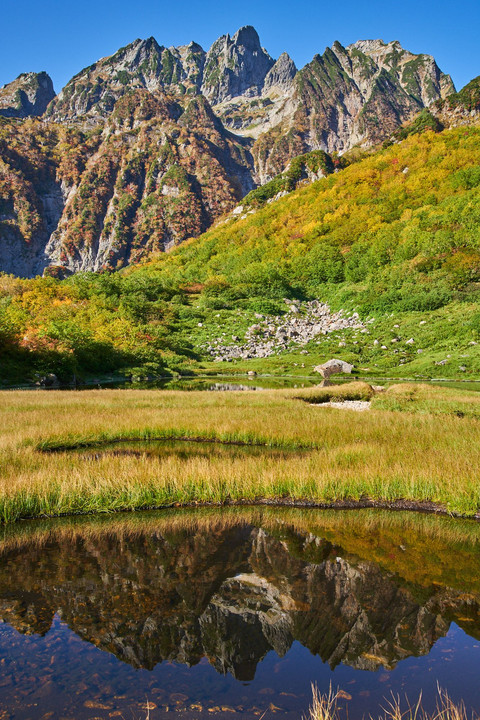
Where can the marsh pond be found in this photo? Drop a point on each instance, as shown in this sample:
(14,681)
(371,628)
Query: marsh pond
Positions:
(217,613)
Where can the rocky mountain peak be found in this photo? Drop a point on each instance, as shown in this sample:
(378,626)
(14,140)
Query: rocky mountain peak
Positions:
(248,37)
(28,95)
(281,75)
(193,47)
(418,74)
(91,95)
(235,66)
(370,47)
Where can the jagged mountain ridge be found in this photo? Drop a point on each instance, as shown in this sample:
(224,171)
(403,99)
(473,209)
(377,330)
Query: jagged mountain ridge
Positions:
(251,92)
(261,114)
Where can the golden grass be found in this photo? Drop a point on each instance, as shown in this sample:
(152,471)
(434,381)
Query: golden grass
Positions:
(325,706)
(383,454)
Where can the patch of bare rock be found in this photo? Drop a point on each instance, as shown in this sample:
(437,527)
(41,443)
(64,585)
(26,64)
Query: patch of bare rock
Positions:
(302,323)
(358,405)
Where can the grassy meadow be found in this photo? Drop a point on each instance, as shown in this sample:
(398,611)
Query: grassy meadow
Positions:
(416,443)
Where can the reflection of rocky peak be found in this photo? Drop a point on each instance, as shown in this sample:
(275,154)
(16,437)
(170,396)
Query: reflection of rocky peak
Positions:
(231,592)
(244,620)
(28,95)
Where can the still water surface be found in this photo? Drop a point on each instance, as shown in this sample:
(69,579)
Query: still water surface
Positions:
(231,383)
(236,612)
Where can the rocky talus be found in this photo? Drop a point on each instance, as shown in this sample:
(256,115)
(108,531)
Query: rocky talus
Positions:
(302,323)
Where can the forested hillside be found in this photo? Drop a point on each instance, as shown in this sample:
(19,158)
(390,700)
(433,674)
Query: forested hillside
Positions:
(395,236)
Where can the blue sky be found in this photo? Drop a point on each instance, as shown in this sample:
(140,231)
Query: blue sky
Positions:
(62,36)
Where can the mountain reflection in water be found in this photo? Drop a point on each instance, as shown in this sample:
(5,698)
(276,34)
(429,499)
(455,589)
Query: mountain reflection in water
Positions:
(358,589)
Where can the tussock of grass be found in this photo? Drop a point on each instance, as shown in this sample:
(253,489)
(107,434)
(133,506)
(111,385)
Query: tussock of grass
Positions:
(429,399)
(382,455)
(73,443)
(339,393)
(326,707)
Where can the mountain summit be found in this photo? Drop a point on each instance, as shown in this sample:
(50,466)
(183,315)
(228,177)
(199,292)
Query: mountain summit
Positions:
(28,95)
(181,135)
(236,67)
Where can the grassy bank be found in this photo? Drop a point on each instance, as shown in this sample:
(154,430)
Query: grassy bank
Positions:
(416,443)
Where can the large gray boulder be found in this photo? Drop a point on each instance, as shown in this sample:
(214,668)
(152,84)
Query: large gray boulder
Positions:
(333,367)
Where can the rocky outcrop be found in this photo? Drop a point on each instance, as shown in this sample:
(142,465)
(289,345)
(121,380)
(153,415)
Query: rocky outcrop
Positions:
(462,108)
(235,67)
(281,75)
(27,96)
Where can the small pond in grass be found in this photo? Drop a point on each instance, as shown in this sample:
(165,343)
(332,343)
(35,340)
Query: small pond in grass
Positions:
(236,612)
(182,449)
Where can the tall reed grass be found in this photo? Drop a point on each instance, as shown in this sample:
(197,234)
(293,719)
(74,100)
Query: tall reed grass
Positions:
(325,706)
(384,455)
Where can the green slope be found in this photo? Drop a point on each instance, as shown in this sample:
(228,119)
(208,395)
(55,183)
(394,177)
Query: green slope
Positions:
(395,236)
(399,230)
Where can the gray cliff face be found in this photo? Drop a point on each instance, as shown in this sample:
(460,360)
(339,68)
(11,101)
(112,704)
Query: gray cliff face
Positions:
(28,95)
(281,75)
(235,66)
